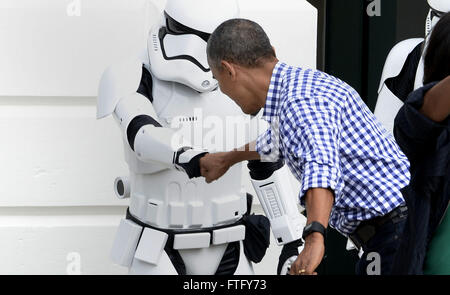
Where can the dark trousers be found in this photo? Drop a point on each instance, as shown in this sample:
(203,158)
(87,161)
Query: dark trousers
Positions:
(380,250)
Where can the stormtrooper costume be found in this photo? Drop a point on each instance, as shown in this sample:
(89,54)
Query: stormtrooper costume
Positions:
(404,69)
(176,223)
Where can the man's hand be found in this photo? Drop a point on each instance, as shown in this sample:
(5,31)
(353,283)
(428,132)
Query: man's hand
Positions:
(311,256)
(319,203)
(214,166)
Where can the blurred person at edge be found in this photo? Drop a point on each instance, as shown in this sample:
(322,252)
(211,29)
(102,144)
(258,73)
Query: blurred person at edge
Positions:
(422,129)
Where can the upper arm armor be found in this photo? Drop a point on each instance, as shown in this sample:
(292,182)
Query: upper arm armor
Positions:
(117,82)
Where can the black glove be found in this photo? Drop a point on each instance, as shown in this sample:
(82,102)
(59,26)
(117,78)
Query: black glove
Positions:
(192,168)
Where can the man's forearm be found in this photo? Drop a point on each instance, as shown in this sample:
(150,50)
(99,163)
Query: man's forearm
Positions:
(246,153)
(319,203)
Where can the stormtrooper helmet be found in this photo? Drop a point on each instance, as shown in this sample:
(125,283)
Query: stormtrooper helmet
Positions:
(437,9)
(177,44)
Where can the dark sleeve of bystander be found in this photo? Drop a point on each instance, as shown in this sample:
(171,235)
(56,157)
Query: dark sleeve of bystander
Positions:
(415,132)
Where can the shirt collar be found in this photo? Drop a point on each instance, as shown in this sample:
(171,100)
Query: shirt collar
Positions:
(274,93)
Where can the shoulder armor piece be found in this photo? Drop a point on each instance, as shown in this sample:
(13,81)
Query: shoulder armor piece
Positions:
(117,82)
(396,59)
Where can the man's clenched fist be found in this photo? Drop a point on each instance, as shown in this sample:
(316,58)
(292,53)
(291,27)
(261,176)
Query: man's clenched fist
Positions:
(214,166)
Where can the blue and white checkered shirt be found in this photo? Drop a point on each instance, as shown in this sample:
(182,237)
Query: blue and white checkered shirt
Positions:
(329,139)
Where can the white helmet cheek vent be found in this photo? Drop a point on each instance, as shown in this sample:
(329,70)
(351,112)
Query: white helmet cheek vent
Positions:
(180,58)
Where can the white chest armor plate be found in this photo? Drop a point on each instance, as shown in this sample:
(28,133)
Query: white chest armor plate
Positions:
(167,198)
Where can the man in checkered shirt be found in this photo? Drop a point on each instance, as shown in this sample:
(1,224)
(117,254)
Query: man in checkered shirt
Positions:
(350,170)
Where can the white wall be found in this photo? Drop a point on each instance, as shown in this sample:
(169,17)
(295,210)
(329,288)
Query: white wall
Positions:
(57,204)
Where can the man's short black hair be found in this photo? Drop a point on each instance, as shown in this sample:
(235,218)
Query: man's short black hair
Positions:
(240,41)
(437,57)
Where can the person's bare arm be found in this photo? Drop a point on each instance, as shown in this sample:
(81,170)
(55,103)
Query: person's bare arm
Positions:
(246,153)
(214,166)
(319,203)
(436,105)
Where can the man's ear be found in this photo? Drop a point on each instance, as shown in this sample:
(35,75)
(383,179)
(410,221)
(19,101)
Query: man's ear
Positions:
(229,69)
(274,51)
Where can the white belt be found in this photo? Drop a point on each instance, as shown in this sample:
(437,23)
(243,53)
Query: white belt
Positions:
(203,239)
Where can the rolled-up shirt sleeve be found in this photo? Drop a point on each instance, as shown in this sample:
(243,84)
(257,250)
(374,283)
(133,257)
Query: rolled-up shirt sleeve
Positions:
(267,144)
(319,160)
(314,151)
(264,144)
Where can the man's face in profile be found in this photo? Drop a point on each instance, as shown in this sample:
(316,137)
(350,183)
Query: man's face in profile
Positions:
(231,85)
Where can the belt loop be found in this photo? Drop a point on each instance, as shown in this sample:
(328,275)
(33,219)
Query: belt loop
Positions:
(355,241)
